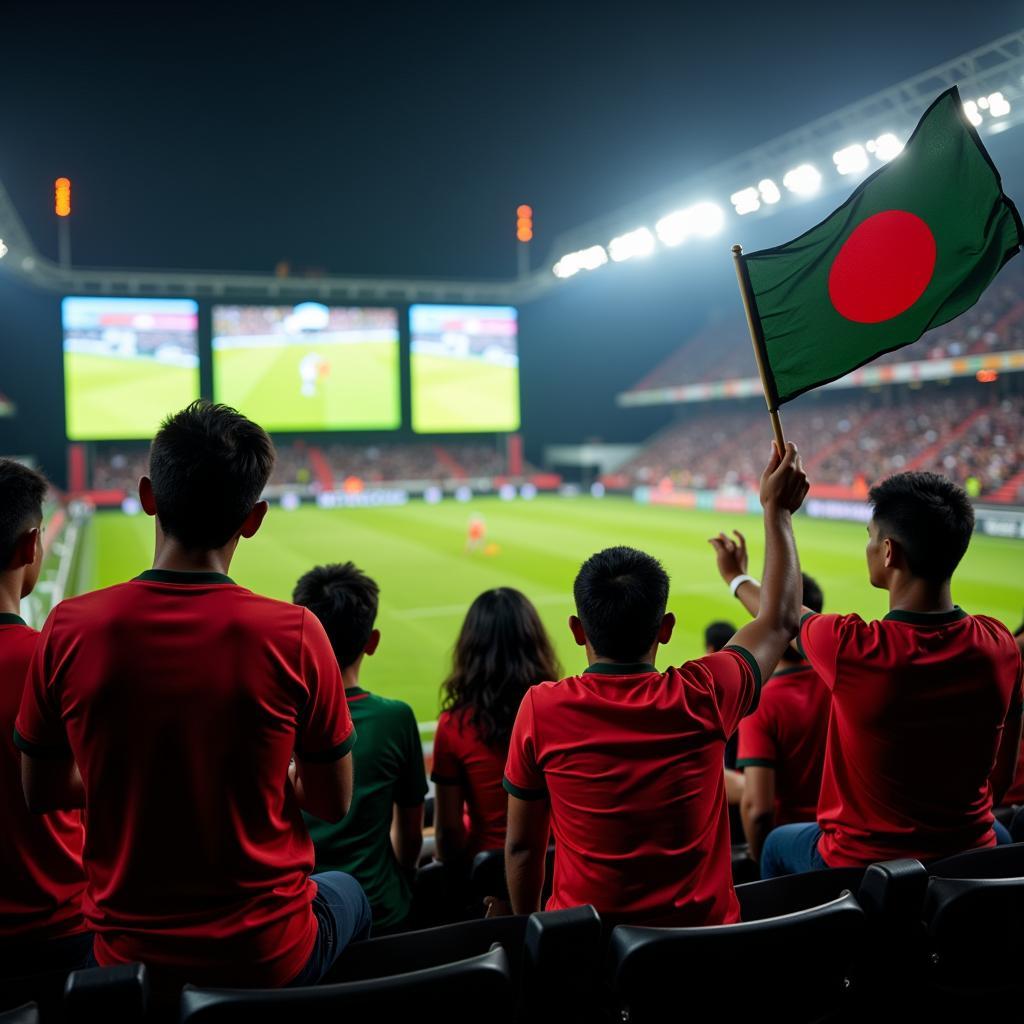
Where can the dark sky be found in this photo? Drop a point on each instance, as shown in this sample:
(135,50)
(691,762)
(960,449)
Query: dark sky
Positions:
(380,138)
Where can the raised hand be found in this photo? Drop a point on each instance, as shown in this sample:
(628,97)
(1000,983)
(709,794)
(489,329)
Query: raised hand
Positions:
(784,483)
(731,555)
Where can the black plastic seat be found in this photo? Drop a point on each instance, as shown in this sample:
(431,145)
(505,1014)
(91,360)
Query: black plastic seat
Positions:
(27,1014)
(107,994)
(787,894)
(795,967)
(479,988)
(1016,825)
(991,862)
(562,959)
(487,876)
(439,896)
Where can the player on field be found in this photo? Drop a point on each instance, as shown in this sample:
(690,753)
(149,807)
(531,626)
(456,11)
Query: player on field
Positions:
(379,841)
(41,876)
(624,762)
(926,703)
(171,706)
(310,371)
(502,650)
(476,533)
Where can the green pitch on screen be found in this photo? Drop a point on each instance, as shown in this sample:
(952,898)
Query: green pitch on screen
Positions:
(111,398)
(460,396)
(358,388)
(417,554)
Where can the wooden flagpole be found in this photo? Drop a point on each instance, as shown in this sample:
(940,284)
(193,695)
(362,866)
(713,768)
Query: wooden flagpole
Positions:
(737,252)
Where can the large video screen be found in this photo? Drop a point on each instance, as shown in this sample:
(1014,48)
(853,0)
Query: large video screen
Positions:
(308,367)
(128,363)
(465,369)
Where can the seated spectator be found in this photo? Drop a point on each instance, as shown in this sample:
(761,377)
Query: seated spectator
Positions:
(379,841)
(502,650)
(41,876)
(171,706)
(924,702)
(625,762)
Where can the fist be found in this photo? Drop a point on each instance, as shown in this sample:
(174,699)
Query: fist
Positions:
(784,483)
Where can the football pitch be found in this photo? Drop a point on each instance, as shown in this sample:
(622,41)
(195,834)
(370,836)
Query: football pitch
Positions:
(112,398)
(357,388)
(417,554)
(452,395)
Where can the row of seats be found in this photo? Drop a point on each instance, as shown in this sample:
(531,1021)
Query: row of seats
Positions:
(892,940)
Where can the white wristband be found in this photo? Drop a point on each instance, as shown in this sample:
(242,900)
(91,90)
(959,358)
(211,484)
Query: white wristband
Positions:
(739,581)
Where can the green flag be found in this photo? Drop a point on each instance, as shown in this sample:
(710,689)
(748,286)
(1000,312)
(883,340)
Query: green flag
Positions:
(914,246)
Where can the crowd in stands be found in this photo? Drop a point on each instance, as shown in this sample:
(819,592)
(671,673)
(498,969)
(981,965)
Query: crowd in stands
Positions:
(975,438)
(254,808)
(721,350)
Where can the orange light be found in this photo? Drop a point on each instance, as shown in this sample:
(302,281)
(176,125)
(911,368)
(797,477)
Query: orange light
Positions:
(524,211)
(986,376)
(524,223)
(62,197)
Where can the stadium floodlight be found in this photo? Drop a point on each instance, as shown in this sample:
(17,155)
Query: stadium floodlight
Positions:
(707,219)
(3,249)
(886,147)
(998,105)
(804,180)
(703,219)
(971,110)
(747,200)
(769,191)
(639,242)
(851,159)
(585,259)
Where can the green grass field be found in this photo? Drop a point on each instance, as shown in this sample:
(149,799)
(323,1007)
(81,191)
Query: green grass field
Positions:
(452,395)
(109,398)
(359,392)
(427,580)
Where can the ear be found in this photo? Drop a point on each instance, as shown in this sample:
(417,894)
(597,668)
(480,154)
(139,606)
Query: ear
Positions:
(26,549)
(254,520)
(373,643)
(146,498)
(576,628)
(890,553)
(668,623)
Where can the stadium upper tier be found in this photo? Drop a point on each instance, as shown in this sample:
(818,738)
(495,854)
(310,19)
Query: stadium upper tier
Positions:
(721,351)
(964,432)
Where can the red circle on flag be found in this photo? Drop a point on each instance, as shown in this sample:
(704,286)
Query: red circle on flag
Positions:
(883,268)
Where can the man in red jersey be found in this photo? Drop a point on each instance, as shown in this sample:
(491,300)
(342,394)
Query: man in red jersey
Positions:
(41,877)
(624,761)
(926,703)
(171,706)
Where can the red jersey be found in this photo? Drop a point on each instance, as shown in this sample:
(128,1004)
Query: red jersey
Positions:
(1015,794)
(462,758)
(787,732)
(41,876)
(182,697)
(919,702)
(631,761)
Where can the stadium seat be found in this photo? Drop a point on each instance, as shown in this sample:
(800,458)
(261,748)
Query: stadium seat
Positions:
(479,988)
(744,868)
(27,1014)
(438,896)
(487,877)
(788,894)
(107,994)
(1016,825)
(797,966)
(45,989)
(992,862)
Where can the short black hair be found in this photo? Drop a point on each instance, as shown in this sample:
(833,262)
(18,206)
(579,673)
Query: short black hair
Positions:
(209,465)
(813,597)
(931,518)
(718,634)
(22,491)
(621,594)
(345,600)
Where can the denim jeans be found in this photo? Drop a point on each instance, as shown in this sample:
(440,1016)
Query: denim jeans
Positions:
(343,915)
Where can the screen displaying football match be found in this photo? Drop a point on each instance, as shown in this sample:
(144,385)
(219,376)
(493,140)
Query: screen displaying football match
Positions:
(465,369)
(308,367)
(127,364)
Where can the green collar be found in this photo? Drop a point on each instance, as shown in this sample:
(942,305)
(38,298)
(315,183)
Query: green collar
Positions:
(927,618)
(356,691)
(10,619)
(181,576)
(608,668)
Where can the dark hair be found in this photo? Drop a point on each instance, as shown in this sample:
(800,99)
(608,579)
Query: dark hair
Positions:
(813,597)
(502,650)
(209,465)
(931,518)
(621,595)
(22,491)
(718,634)
(345,600)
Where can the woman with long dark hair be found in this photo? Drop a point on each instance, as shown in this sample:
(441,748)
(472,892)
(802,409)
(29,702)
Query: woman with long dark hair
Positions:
(502,650)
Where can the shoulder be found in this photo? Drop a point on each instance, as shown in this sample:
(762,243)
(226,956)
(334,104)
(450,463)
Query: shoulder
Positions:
(998,633)
(392,708)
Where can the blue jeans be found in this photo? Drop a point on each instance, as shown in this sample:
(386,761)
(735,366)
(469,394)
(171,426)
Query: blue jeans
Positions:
(793,849)
(343,915)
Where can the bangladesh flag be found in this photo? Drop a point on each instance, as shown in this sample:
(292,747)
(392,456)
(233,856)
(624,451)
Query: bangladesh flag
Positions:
(913,247)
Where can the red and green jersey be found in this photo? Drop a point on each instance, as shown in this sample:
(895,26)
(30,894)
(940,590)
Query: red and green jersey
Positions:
(630,760)
(183,697)
(787,734)
(919,703)
(41,876)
